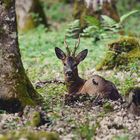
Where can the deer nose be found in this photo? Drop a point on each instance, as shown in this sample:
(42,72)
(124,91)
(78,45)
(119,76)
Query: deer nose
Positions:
(69,73)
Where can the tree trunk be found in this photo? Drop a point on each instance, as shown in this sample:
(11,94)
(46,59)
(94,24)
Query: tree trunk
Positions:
(29,14)
(16,90)
(96,8)
(109,8)
(79,12)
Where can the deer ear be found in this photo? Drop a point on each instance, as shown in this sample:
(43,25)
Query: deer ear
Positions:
(59,53)
(82,55)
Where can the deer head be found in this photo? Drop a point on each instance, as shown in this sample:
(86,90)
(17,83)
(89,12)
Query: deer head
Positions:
(70,60)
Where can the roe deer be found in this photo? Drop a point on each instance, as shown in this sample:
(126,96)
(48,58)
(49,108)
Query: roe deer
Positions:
(96,85)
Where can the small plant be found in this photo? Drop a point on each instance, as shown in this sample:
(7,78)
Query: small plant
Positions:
(107,107)
(2,111)
(106,27)
(128,83)
(134,66)
(73,29)
(36,17)
(124,137)
(86,130)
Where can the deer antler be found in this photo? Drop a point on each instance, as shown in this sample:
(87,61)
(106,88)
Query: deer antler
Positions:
(76,46)
(67,47)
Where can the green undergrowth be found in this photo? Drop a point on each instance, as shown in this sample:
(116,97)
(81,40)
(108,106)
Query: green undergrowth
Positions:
(120,53)
(123,137)
(53,95)
(37,49)
(57,11)
(41,64)
(30,135)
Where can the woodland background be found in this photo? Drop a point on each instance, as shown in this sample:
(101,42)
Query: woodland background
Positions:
(42,26)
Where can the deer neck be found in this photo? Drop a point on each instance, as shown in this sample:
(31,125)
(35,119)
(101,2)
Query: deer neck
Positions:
(75,86)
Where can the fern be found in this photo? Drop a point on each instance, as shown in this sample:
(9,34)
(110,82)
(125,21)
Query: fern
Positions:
(105,27)
(92,21)
(73,29)
(125,16)
(107,21)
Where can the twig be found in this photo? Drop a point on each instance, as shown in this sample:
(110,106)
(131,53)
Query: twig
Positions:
(41,84)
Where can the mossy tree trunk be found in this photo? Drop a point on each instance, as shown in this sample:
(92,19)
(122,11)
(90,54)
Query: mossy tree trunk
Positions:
(30,13)
(67,1)
(79,12)
(16,90)
(96,8)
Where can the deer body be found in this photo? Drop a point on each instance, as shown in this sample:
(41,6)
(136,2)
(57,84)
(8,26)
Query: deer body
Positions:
(96,85)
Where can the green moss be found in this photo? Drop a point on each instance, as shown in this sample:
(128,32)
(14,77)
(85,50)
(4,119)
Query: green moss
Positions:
(122,137)
(27,101)
(24,95)
(107,62)
(107,107)
(28,24)
(2,137)
(7,3)
(120,52)
(30,135)
(1,30)
(26,92)
(79,12)
(35,119)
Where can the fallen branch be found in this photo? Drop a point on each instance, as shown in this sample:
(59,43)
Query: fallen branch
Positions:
(41,84)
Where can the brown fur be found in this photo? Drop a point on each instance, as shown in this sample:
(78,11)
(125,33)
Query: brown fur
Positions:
(100,87)
(96,85)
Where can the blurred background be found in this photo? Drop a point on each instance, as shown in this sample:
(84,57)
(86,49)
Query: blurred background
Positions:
(31,13)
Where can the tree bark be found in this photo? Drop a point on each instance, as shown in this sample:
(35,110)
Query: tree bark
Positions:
(16,90)
(96,8)
(25,10)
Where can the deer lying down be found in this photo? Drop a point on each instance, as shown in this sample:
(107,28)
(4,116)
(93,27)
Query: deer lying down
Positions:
(96,85)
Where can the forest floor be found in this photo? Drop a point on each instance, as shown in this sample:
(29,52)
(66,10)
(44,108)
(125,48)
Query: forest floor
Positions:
(82,120)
